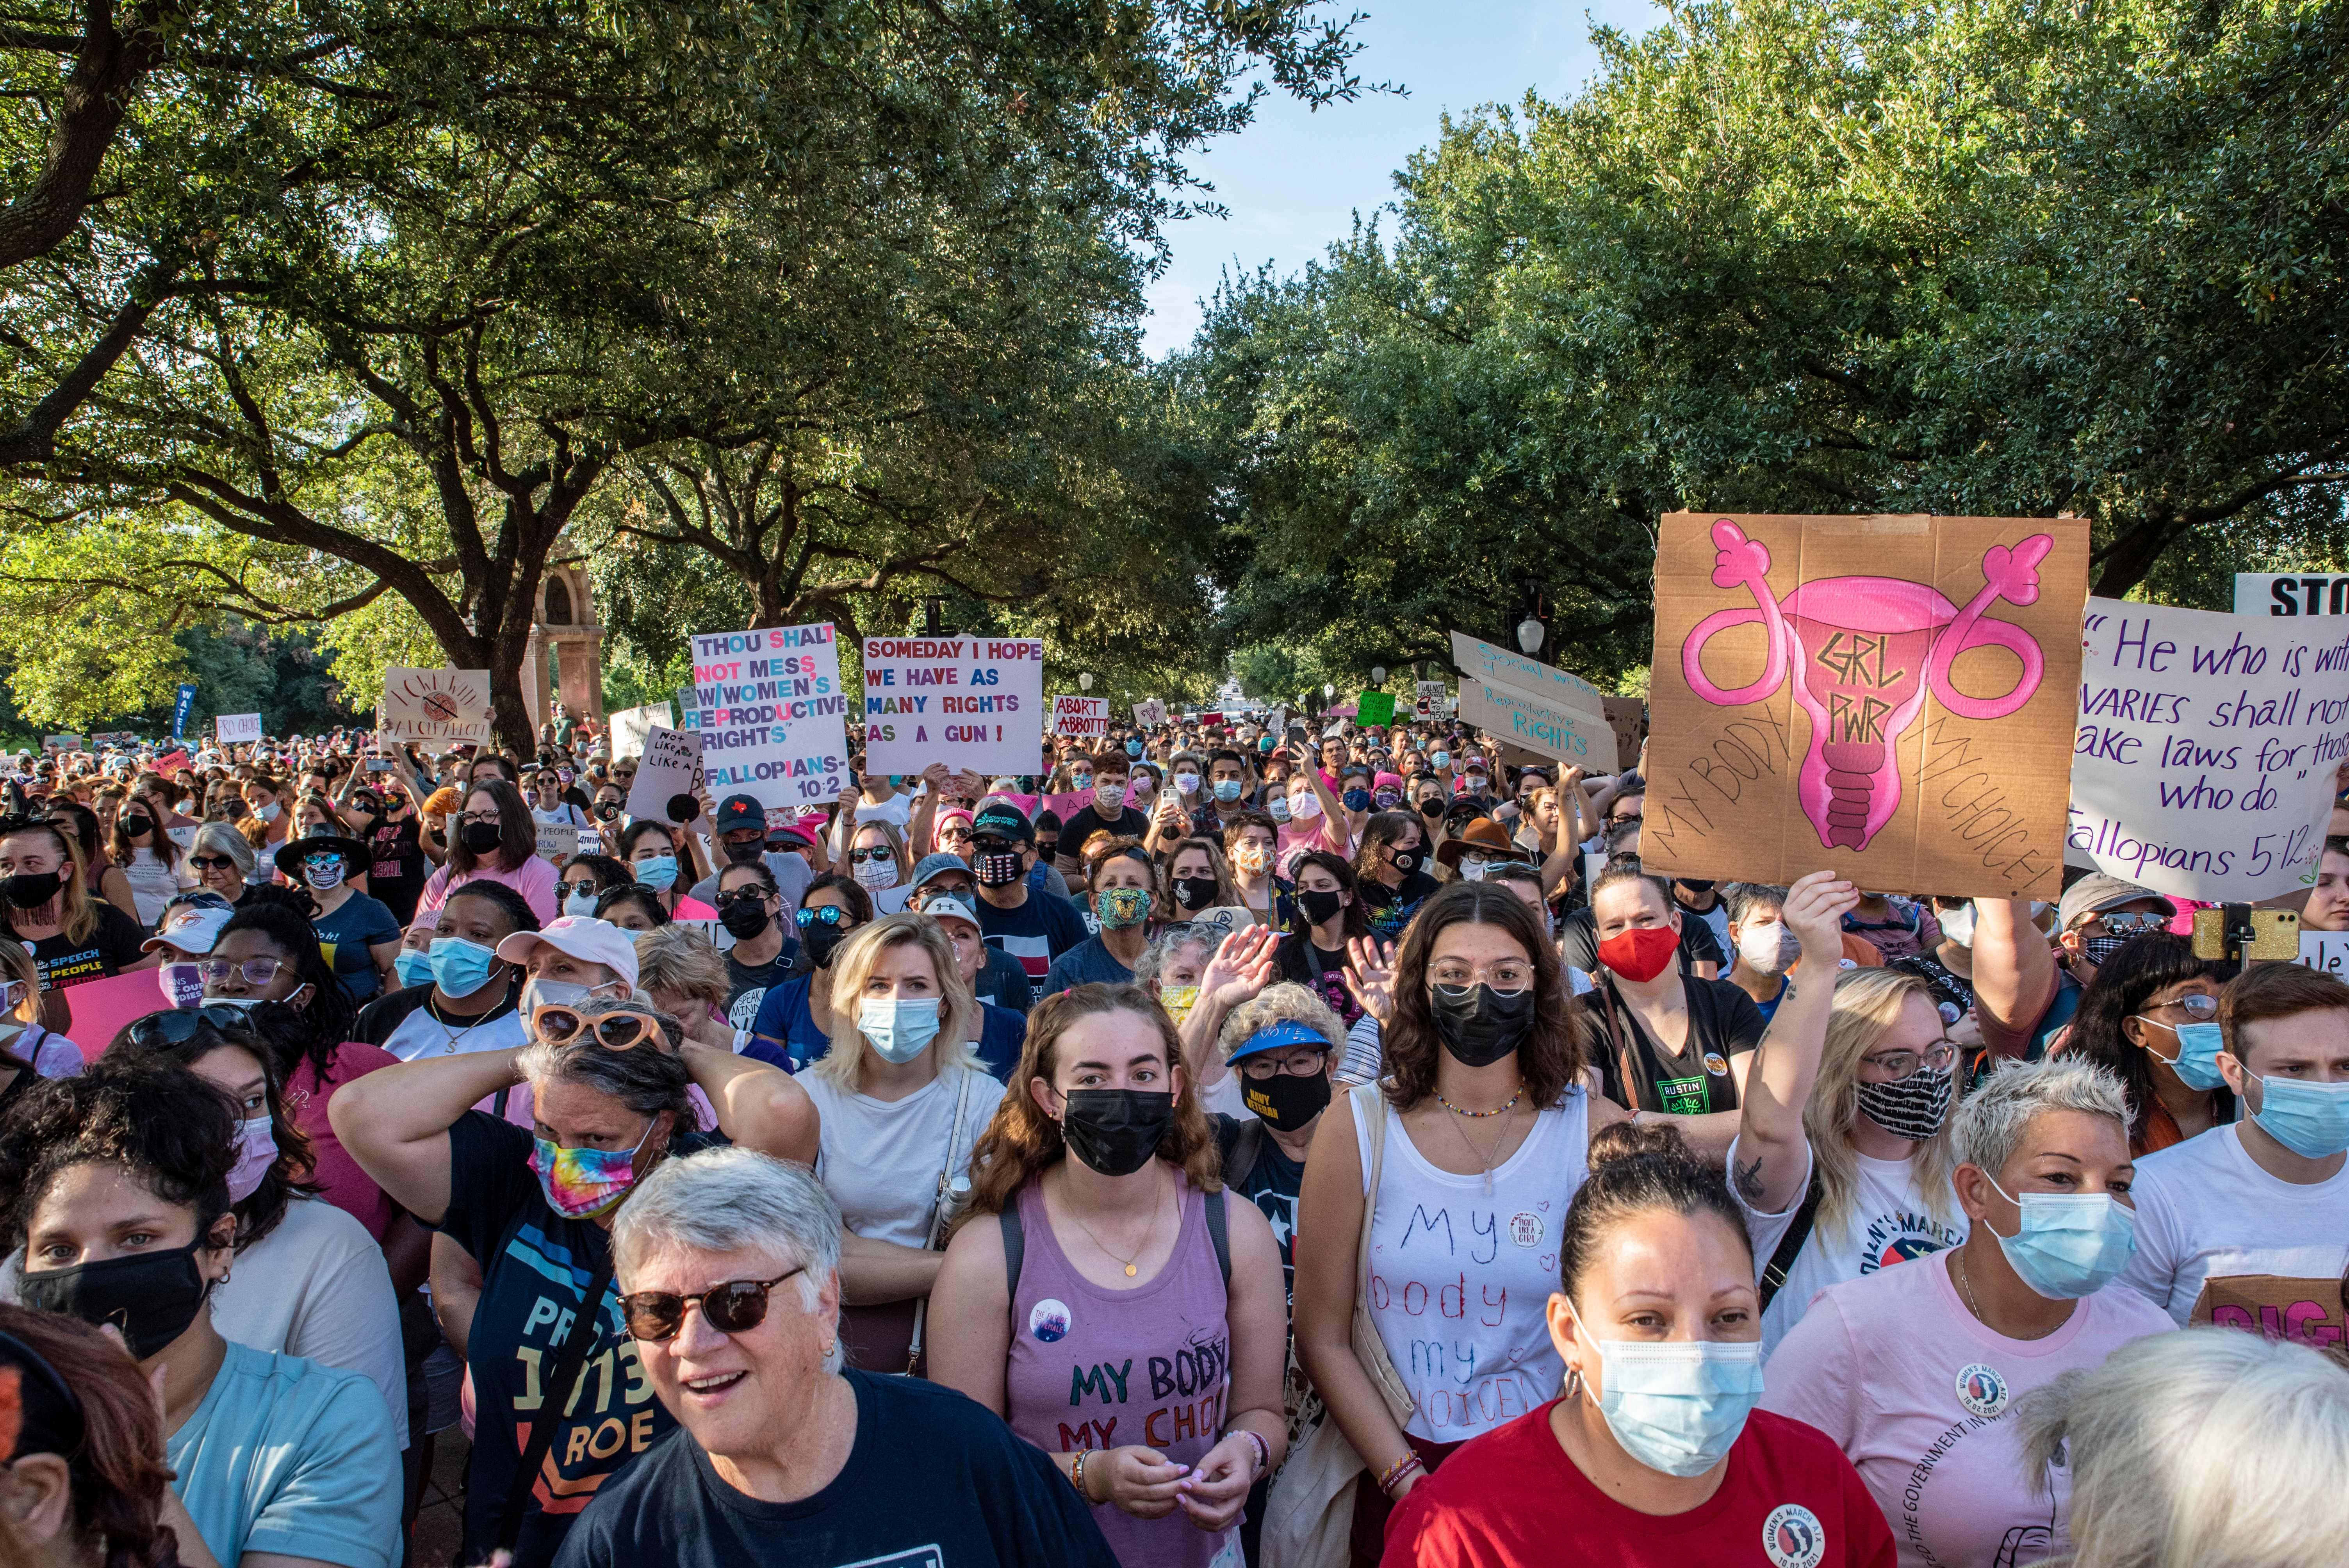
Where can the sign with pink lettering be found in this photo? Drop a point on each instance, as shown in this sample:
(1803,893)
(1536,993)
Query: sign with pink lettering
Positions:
(2311,1311)
(1889,697)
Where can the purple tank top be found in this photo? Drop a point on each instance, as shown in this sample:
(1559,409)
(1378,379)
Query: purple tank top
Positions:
(1098,1368)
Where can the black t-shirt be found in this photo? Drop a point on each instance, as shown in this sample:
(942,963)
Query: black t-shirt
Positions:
(111,946)
(1577,937)
(1723,1022)
(398,874)
(1271,1182)
(535,1268)
(1320,970)
(747,982)
(933,1481)
(1389,910)
(1083,824)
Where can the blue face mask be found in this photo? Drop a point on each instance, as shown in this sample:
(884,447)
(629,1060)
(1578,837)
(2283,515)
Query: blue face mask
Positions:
(1133,749)
(1357,800)
(2071,1244)
(1227,790)
(581,902)
(2199,1045)
(460,967)
(1678,1406)
(898,1028)
(413,968)
(659,872)
(1440,759)
(2312,1119)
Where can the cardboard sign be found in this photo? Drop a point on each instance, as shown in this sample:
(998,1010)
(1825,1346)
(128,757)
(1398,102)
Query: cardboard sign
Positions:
(671,767)
(975,704)
(1889,697)
(1150,713)
(558,842)
(1580,739)
(2294,593)
(2326,950)
(1628,717)
(232,728)
(2204,761)
(2310,1311)
(631,725)
(1081,717)
(1374,707)
(1434,697)
(1493,666)
(773,718)
(436,705)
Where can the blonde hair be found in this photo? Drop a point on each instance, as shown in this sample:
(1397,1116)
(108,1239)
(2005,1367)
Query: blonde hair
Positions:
(1286,1003)
(1866,1001)
(2213,1447)
(680,959)
(891,836)
(854,963)
(17,963)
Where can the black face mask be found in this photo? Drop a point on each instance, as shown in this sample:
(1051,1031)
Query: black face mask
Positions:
(1286,1102)
(1479,1025)
(1194,892)
(1406,861)
(1432,807)
(137,827)
(151,1296)
(743,854)
(607,811)
(1116,1130)
(1320,906)
(1693,885)
(30,890)
(821,942)
(998,869)
(482,838)
(744,918)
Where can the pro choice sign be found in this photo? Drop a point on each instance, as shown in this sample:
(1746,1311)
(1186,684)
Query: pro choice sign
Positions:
(972,702)
(773,720)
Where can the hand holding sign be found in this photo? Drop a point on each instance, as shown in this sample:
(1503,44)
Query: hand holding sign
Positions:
(671,767)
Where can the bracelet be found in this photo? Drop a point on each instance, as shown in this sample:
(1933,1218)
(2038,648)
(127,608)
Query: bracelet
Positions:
(1263,1449)
(1397,1471)
(1077,1475)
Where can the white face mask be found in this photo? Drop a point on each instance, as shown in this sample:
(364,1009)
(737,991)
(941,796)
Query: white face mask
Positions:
(1305,807)
(1958,925)
(1768,946)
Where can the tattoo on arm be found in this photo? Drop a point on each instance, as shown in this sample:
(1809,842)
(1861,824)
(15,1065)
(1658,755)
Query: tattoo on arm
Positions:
(1749,1182)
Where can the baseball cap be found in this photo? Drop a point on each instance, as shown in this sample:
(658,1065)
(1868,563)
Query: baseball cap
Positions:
(583,937)
(2096,892)
(738,811)
(1004,820)
(936,864)
(1279,1036)
(190,927)
(946,906)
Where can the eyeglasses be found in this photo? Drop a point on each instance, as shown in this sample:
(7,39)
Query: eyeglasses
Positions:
(737,1307)
(179,1025)
(2198,1007)
(1268,1065)
(490,817)
(255,971)
(210,862)
(1901,1064)
(559,1025)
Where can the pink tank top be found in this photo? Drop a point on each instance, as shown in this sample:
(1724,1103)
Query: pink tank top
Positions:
(1098,1368)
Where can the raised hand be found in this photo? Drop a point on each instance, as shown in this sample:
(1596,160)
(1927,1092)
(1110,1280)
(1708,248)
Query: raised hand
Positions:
(1370,975)
(1813,912)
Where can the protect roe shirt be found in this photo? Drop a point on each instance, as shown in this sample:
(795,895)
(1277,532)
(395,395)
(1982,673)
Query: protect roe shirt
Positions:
(535,1269)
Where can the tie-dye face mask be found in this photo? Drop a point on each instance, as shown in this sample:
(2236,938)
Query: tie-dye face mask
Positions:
(580,1184)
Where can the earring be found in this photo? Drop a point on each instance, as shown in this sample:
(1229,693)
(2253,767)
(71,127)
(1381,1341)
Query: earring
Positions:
(1573,1382)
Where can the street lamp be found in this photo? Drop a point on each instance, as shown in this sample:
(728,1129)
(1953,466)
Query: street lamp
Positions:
(1529,634)
(1378,674)
(1328,691)
(1085,682)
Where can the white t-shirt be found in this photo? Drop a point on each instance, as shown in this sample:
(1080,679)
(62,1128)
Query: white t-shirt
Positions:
(1890,1223)
(2204,1211)
(421,1035)
(152,884)
(880,1159)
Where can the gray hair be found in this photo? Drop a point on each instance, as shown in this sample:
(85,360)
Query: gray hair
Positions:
(1743,898)
(1170,943)
(646,1078)
(222,839)
(1282,1002)
(678,958)
(730,1200)
(1992,1118)
(2213,1447)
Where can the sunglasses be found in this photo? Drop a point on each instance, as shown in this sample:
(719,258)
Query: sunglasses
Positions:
(823,915)
(178,1027)
(751,895)
(210,862)
(559,1025)
(737,1307)
(875,855)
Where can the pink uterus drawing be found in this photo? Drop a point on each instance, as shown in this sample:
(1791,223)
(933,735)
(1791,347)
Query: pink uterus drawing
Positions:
(1864,653)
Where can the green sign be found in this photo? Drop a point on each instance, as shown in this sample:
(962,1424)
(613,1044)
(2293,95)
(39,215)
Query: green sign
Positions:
(1374,707)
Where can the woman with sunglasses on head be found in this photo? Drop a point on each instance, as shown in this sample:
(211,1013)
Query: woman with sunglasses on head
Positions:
(118,1186)
(1391,875)
(1481,1128)
(46,904)
(1097,1236)
(1654,1455)
(358,930)
(610,1101)
(103,877)
(788,1032)
(492,836)
(221,861)
(150,859)
(666,860)
(2137,1020)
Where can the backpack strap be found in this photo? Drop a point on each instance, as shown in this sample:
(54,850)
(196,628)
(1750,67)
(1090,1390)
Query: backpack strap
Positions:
(561,1388)
(1219,1221)
(1241,1154)
(1790,1245)
(1015,1245)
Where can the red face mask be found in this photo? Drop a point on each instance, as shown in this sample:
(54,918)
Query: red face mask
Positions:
(1641,953)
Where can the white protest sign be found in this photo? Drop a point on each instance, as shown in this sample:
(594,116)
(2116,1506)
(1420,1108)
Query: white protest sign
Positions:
(1081,717)
(975,704)
(2326,950)
(1570,737)
(1433,696)
(671,767)
(558,842)
(235,726)
(2292,594)
(1547,684)
(1150,713)
(2203,763)
(773,719)
(436,705)
(631,725)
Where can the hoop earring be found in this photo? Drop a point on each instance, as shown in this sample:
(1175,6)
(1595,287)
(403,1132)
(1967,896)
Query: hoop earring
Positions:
(1574,1382)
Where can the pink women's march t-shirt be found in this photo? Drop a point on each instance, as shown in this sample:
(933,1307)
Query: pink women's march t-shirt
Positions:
(1913,1388)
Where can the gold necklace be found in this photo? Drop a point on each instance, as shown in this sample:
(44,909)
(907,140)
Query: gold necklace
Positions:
(1150,1231)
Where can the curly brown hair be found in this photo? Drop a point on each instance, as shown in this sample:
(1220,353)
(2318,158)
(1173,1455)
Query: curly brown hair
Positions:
(1022,1142)
(1550,1059)
(119,1473)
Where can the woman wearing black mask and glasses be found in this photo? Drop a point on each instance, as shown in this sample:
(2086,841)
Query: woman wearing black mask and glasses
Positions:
(1481,1132)
(1134,1269)
(785,1033)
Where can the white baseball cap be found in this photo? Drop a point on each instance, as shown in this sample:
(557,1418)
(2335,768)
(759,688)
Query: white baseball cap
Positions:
(583,937)
(190,927)
(946,906)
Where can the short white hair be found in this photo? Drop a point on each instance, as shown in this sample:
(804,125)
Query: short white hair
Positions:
(1992,1118)
(728,1200)
(2213,1447)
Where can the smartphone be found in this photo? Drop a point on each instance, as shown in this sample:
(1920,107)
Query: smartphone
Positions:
(2256,933)
(378,765)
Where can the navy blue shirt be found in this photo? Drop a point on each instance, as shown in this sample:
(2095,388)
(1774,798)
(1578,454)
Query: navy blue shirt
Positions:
(1084,963)
(1002,1033)
(785,1033)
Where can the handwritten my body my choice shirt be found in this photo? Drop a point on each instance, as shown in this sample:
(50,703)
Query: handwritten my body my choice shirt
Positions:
(535,1269)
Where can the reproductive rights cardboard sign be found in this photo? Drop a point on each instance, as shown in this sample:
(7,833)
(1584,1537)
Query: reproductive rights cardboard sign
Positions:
(1889,697)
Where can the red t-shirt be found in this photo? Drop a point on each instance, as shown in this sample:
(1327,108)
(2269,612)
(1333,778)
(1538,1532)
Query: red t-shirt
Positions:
(1511,1498)
(340,1180)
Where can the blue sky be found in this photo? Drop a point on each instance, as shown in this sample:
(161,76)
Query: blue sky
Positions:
(1295,178)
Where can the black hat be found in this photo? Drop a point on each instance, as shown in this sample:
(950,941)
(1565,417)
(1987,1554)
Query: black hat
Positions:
(741,812)
(1004,820)
(322,838)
